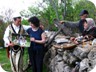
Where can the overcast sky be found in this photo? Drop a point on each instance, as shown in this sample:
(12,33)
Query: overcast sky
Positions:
(94,1)
(18,5)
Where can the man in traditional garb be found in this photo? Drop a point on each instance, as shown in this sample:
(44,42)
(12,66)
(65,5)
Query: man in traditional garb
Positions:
(15,52)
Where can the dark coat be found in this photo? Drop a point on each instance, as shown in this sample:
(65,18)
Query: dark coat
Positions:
(91,32)
(80,26)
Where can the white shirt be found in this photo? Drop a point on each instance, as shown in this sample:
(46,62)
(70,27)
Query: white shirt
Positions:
(6,34)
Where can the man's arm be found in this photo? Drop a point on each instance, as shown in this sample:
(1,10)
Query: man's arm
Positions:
(6,37)
(26,27)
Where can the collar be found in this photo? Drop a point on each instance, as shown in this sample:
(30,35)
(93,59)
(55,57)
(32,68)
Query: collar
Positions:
(14,26)
(35,29)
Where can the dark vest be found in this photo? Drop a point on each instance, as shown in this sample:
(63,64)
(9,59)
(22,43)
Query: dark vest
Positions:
(12,30)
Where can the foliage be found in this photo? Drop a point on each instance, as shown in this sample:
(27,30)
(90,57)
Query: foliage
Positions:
(25,22)
(83,4)
(2,29)
(61,9)
(7,15)
(6,62)
(69,10)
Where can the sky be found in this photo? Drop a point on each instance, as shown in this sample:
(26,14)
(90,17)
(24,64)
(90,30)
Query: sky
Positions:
(94,1)
(18,5)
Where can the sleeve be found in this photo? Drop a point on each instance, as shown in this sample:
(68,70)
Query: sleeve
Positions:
(94,32)
(71,24)
(80,26)
(28,31)
(84,33)
(26,27)
(6,37)
(41,30)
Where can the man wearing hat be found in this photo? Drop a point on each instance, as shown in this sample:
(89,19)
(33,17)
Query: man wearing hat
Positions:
(15,51)
(75,26)
(83,15)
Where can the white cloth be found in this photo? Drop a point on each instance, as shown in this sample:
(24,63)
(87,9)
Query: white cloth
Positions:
(16,60)
(6,34)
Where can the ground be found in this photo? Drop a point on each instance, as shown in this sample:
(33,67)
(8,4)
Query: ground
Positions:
(6,63)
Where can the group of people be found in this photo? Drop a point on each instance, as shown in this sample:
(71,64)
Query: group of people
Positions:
(86,27)
(37,40)
(36,49)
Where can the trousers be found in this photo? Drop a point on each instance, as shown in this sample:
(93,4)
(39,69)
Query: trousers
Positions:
(16,60)
(36,59)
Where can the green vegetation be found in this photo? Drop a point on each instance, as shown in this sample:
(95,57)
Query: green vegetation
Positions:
(2,29)
(67,10)
(6,63)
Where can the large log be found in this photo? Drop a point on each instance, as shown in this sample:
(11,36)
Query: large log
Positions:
(68,28)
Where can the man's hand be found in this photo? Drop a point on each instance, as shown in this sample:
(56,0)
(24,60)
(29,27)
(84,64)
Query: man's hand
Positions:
(74,40)
(61,22)
(11,44)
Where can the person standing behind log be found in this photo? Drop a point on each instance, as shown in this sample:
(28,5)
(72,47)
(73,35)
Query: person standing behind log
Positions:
(36,49)
(75,27)
(83,15)
(15,52)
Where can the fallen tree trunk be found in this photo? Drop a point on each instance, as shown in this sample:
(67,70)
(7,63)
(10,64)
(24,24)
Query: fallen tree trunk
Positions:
(68,28)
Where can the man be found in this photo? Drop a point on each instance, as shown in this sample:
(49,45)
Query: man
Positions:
(73,27)
(83,15)
(15,51)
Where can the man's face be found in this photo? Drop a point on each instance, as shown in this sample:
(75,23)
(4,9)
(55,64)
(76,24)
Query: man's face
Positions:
(84,16)
(18,21)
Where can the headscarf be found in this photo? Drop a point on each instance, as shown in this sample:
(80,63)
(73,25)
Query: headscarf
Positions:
(90,23)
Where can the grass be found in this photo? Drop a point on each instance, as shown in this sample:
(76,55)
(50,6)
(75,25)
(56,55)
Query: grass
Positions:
(6,63)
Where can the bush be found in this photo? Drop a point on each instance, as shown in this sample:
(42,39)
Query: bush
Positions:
(2,30)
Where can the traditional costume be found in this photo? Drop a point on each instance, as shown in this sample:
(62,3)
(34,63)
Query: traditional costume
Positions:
(15,53)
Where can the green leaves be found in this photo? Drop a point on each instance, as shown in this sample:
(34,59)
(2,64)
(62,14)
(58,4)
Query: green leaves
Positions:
(65,9)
